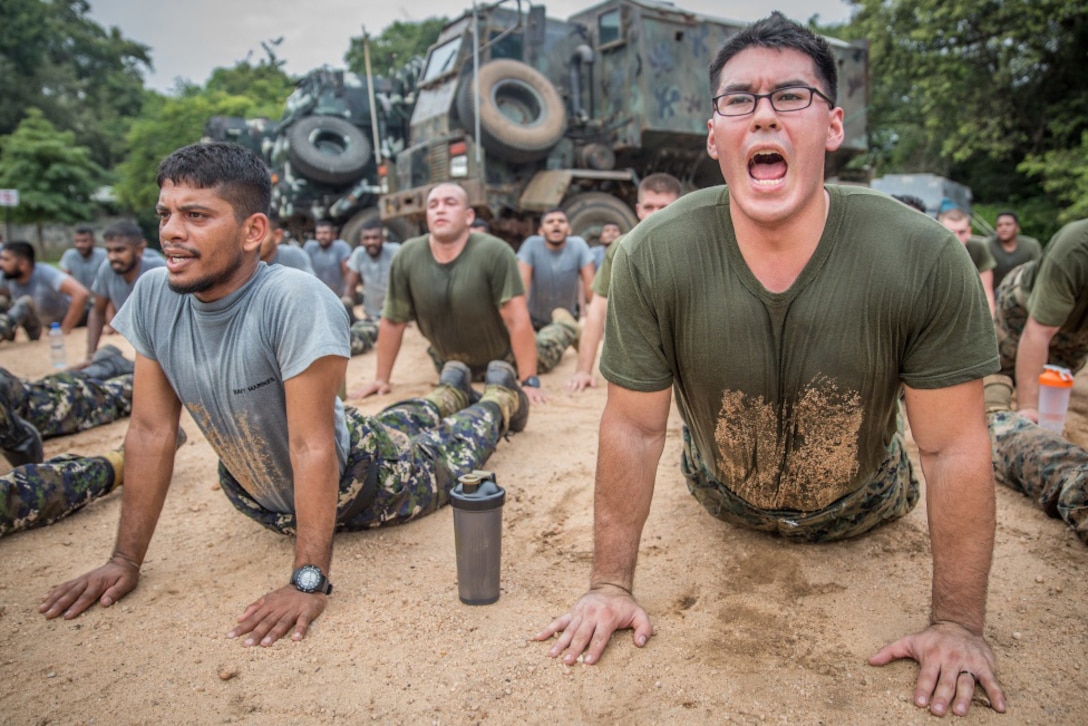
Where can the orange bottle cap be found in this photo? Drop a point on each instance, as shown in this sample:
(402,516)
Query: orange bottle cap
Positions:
(1056,377)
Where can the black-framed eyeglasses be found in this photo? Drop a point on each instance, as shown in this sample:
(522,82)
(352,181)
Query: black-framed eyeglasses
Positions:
(783,100)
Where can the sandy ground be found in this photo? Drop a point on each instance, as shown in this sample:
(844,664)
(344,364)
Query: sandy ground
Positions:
(748,629)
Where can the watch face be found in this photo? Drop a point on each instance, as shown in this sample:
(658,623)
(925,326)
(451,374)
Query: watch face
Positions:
(309,578)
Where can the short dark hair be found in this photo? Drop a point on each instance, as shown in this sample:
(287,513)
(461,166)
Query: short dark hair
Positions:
(610,224)
(661,183)
(370,224)
(325,223)
(21,248)
(233,172)
(911,201)
(480,223)
(778,32)
(1008,213)
(274,221)
(126,230)
(85,229)
(554,210)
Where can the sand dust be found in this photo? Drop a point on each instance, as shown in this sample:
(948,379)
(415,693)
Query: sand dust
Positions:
(749,629)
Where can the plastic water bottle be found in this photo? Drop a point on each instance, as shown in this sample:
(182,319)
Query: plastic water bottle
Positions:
(1055,385)
(57,355)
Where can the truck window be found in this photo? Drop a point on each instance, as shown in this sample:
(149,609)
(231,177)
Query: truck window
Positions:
(608,27)
(509,46)
(442,60)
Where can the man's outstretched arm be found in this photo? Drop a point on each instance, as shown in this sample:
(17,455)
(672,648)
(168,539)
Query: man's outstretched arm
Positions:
(949,426)
(632,436)
(390,337)
(149,463)
(310,421)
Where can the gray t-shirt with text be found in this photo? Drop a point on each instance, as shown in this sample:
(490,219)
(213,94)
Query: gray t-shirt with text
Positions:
(227,361)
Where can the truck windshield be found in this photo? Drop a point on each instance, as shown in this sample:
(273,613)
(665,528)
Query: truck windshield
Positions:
(442,60)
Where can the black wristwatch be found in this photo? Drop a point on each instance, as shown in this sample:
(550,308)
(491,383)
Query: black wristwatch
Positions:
(531,382)
(310,578)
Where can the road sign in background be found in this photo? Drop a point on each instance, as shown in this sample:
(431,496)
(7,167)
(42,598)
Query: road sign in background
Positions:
(9,197)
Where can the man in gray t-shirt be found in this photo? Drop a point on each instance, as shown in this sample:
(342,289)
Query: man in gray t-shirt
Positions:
(256,355)
(275,252)
(370,263)
(126,250)
(57,297)
(552,265)
(83,259)
(328,255)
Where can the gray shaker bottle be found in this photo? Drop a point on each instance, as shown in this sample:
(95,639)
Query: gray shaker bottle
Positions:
(477,531)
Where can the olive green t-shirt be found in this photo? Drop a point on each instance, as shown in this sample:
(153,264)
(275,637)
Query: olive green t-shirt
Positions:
(1058,281)
(456,304)
(791,397)
(1027,249)
(979,251)
(604,274)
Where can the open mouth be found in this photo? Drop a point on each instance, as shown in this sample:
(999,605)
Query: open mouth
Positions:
(767,167)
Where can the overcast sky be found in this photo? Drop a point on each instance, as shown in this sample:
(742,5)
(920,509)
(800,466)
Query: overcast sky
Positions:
(189,38)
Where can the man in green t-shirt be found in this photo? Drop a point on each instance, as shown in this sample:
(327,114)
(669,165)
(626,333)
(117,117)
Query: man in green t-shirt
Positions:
(1042,314)
(789,318)
(464,291)
(1009,248)
(655,192)
(957,222)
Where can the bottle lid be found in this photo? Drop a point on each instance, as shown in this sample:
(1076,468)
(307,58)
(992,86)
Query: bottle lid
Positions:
(54,326)
(477,492)
(1056,377)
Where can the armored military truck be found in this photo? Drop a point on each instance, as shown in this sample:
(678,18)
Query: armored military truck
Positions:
(529,113)
(321,151)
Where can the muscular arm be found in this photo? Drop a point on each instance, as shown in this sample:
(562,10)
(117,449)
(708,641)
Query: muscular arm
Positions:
(587,274)
(1031,356)
(351,281)
(71,287)
(390,336)
(310,424)
(515,315)
(149,464)
(949,427)
(96,320)
(632,436)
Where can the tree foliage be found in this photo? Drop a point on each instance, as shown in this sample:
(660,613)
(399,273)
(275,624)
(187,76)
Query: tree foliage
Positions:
(394,46)
(56,178)
(83,77)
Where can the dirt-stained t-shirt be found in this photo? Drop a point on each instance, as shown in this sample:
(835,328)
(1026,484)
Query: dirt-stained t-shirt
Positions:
(1058,281)
(456,303)
(1027,249)
(791,397)
(979,251)
(227,361)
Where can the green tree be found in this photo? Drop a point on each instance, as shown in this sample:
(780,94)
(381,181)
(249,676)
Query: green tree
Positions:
(55,177)
(394,46)
(83,77)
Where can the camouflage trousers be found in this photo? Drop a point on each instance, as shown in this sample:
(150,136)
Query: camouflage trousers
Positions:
(551,342)
(66,403)
(35,495)
(1040,464)
(364,334)
(892,491)
(402,464)
(1069,350)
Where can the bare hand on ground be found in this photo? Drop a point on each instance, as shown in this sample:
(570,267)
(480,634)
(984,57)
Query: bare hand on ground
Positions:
(1030,413)
(106,584)
(591,622)
(581,381)
(372,388)
(268,619)
(535,395)
(951,659)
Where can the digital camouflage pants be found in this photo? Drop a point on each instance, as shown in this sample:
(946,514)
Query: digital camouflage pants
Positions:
(1069,350)
(364,334)
(551,342)
(402,464)
(60,404)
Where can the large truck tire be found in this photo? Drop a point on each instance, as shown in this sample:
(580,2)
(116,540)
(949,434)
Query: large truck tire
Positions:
(397,230)
(589,211)
(328,149)
(521,114)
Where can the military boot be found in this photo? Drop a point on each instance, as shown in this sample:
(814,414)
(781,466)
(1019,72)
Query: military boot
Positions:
(19,440)
(108,362)
(454,391)
(562,316)
(502,389)
(997,390)
(24,312)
